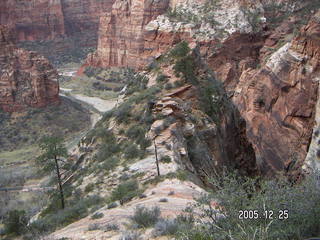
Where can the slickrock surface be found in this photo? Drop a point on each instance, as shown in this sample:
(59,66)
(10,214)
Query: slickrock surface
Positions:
(26,78)
(179,194)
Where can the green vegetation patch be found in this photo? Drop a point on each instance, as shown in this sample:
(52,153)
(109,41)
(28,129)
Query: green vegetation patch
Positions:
(65,120)
(125,191)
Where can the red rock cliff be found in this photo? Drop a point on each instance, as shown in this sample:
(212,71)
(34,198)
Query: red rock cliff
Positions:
(278,98)
(26,79)
(122,33)
(48,19)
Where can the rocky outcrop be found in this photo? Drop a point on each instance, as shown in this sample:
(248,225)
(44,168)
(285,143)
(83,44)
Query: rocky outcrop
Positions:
(278,101)
(47,19)
(26,79)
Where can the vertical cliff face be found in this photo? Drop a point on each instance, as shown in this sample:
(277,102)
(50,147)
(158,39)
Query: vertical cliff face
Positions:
(49,19)
(275,92)
(33,20)
(26,79)
(83,16)
(122,33)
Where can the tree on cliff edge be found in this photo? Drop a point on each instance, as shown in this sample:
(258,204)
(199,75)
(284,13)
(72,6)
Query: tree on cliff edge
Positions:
(52,159)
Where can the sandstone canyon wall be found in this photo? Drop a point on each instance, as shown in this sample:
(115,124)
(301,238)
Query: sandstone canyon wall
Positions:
(49,19)
(122,33)
(269,74)
(26,78)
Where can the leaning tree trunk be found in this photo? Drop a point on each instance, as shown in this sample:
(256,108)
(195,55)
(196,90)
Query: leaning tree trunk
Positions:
(60,183)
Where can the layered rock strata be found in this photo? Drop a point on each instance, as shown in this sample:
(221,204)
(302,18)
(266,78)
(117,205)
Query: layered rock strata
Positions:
(26,78)
(49,19)
(122,33)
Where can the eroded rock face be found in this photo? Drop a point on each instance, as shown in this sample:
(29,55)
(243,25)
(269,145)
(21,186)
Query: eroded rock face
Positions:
(278,101)
(26,78)
(122,34)
(49,19)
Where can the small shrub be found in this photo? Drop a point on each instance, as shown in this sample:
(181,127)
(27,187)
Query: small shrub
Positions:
(186,66)
(112,205)
(123,112)
(132,235)
(161,78)
(135,131)
(165,227)
(168,86)
(110,164)
(94,226)
(107,150)
(89,188)
(171,193)
(180,50)
(111,227)
(97,215)
(182,175)
(16,222)
(177,84)
(165,159)
(144,217)
(131,151)
(142,196)
(235,193)
(125,191)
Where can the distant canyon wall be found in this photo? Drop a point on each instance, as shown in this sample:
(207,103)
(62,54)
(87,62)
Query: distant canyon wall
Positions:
(49,19)
(26,78)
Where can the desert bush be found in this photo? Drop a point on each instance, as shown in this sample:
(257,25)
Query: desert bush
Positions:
(165,159)
(89,188)
(16,222)
(110,163)
(165,227)
(112,205)
(136,132)
(106,150)
(235,194)
(180,50)
(131,235)
(92,71)
(123,112)
(161,78)
(111,227)
(97,215)
(125,191)
(75,210)
(186,66)
(131,151)
(94,226)
(144,217)
(168,86)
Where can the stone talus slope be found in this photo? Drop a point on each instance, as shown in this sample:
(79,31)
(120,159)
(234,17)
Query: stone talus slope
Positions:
(26,78)
(47,19)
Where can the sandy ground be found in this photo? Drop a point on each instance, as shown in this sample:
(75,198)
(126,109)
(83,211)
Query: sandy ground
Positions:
(98,103)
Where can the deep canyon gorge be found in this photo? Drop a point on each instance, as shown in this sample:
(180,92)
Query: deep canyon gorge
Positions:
(156,101)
